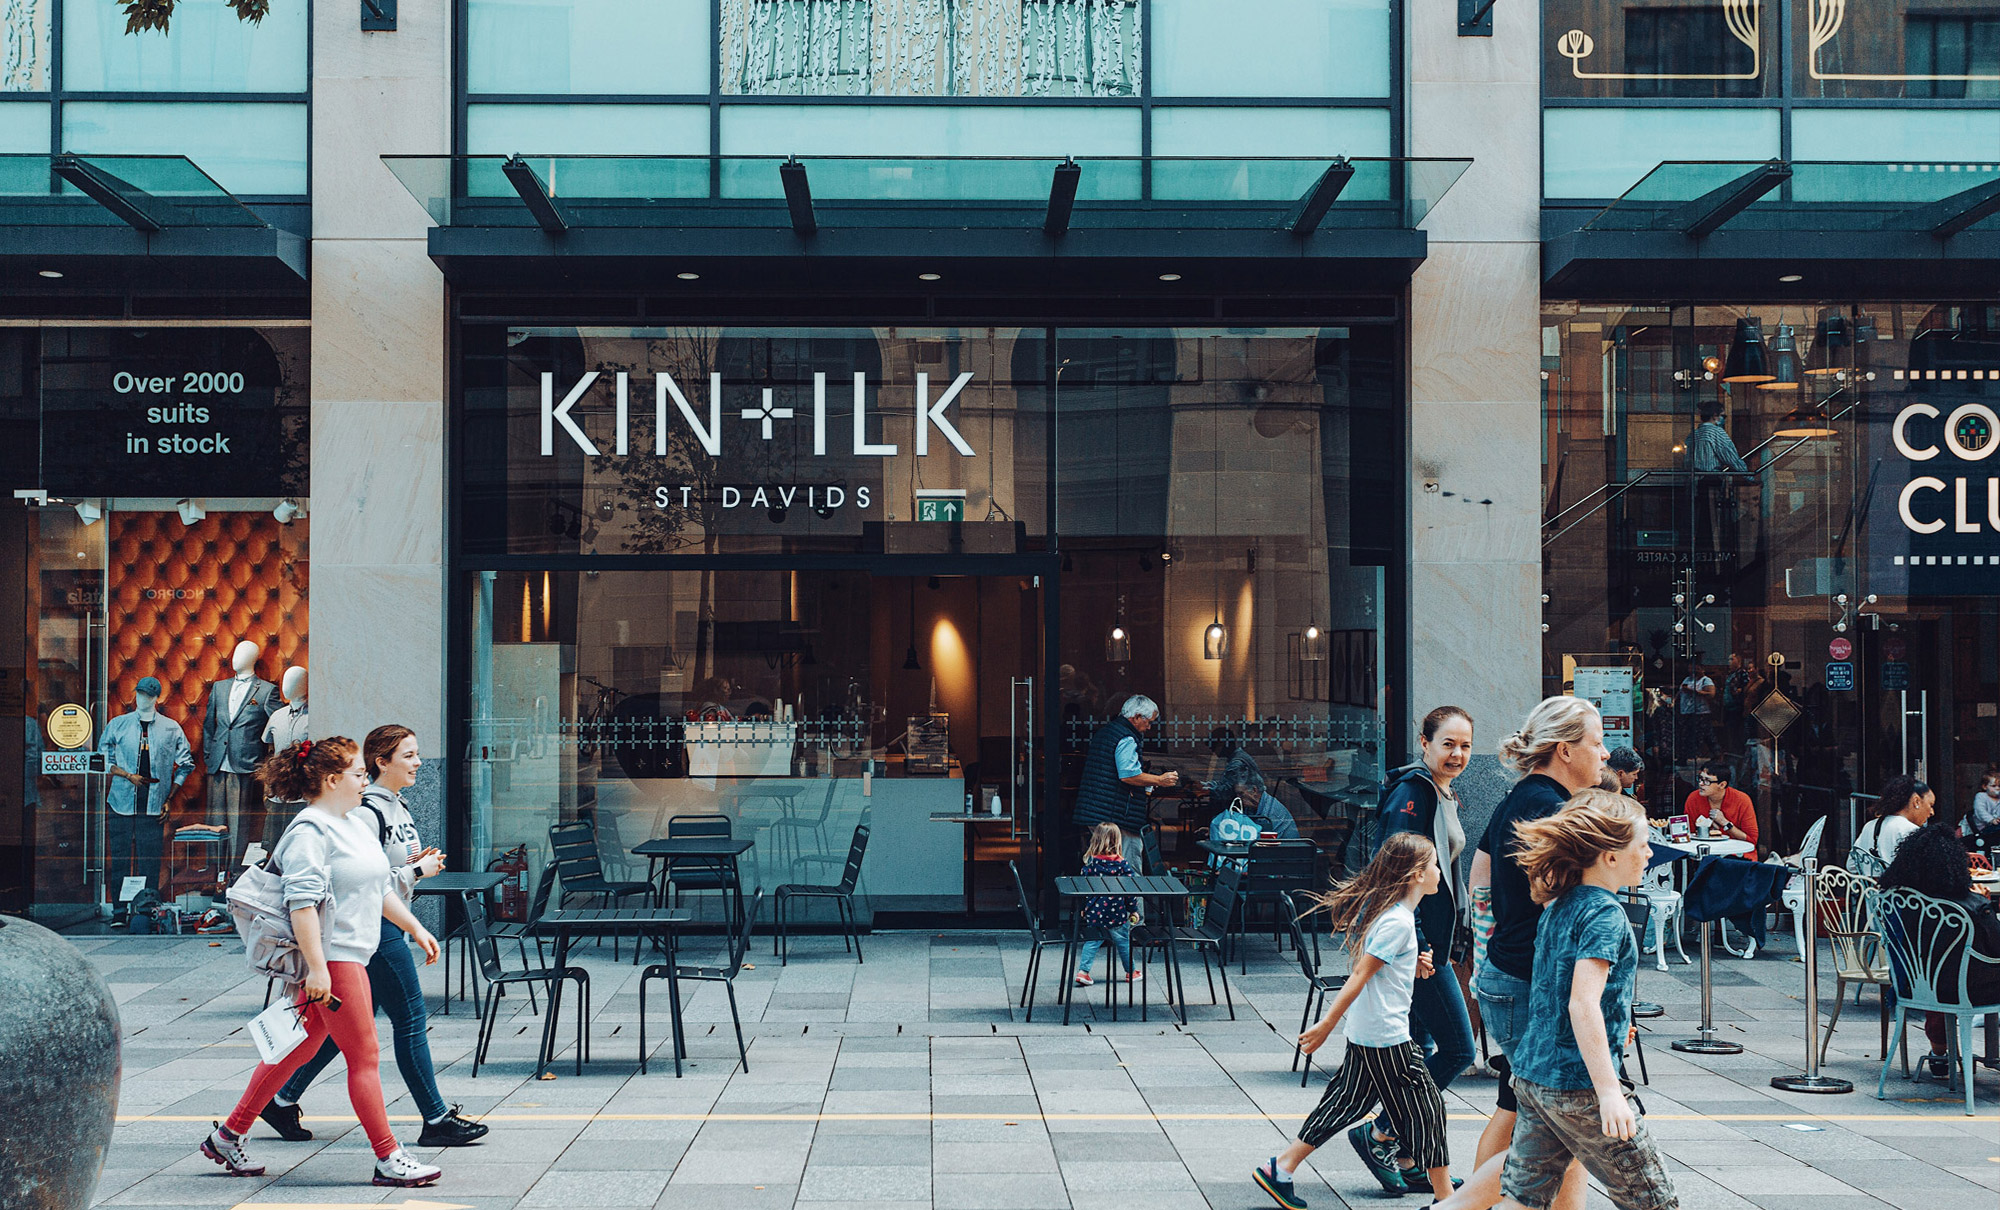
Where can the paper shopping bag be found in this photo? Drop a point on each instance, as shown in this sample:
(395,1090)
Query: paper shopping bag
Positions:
(278,1030)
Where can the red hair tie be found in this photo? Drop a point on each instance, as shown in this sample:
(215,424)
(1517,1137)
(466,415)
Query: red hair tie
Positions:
(305,748)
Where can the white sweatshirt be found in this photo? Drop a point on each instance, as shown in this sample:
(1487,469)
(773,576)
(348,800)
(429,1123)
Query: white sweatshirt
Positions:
(337,861)
(402,843)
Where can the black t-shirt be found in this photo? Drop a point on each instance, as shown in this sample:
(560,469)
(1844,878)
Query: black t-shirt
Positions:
(145,768)
(1515,912)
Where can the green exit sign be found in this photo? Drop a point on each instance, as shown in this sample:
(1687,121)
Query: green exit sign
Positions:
(941,505)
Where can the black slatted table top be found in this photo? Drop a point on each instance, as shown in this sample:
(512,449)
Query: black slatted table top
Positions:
(1143,885)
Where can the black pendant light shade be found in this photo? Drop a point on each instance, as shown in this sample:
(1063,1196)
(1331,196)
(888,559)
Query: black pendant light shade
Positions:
(1747,359)
(1783,362)
(1830,336)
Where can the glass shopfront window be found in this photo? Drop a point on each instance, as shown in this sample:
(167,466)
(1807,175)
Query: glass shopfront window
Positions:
(1771,542)
(168,552)
(1659,48)
(835,595)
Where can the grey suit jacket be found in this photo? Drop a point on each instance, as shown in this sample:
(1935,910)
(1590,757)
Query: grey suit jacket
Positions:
(241,738)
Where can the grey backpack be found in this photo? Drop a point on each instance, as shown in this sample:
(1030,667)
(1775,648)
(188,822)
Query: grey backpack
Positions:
(257,905)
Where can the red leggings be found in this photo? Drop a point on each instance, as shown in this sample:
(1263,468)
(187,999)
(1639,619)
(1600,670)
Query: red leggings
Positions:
(353,1030)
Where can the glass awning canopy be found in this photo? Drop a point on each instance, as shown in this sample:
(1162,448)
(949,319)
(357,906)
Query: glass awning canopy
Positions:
(1698,198)
(149,193)
(561,192)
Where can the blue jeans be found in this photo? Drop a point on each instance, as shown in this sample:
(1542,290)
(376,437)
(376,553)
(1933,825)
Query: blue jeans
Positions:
(1503,1009)
(1121,936)
(1438,1015)
(392,980)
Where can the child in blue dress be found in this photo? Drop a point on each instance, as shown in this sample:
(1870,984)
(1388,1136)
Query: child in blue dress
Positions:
(1103,858)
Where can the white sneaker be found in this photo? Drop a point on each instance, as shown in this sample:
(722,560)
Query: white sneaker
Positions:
(227,1149)
(400,1169)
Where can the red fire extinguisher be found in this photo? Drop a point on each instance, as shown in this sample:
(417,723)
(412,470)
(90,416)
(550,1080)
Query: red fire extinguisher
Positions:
(514,891)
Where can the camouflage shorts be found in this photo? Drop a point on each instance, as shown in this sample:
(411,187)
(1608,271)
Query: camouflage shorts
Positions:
(1558,1125)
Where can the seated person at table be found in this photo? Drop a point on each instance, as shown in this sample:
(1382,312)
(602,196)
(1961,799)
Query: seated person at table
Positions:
(1729,810)
(1906,805)
(1256,797)
(1931,862)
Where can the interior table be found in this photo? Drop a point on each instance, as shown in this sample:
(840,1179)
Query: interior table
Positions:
(1160,887)
(637,923)
(722,851)
(465,885)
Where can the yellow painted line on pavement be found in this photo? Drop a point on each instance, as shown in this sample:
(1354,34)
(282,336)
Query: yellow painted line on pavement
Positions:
(336,1119)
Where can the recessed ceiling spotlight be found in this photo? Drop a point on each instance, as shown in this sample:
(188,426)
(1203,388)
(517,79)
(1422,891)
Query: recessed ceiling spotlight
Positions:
(51,273)
(1170,277)
(930,277)
(688,276)
(1789,278)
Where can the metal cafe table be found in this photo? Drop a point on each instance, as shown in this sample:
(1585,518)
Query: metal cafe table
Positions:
(721,851)
(637,923)
(1160,887)
(466,885)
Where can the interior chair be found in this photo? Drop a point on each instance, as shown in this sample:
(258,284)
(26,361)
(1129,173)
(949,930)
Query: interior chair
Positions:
(1796,892)
(698,873)
(1858,957)
(1929,943)
(1664,910)
(1038,939)
(1318,984)
(787,834)
(725,974)
(582,873)
(842,894)
(486,951)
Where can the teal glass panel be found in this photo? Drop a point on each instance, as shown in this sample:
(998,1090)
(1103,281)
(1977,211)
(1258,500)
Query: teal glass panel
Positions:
(1601,153)
(1252,133)
(913,130)
(1939,135)
(24,126)
(207,50)
(586,129)
(1271,48)
(248,149)
(637,47)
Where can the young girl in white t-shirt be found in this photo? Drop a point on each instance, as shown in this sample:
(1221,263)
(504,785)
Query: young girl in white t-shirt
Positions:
(1382,1065)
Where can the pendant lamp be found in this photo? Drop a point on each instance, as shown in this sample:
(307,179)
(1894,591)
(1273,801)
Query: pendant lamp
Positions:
(1312,645)
(1746,362)
(1118,644)
(1784,361)
(1830,336)
(1215,640)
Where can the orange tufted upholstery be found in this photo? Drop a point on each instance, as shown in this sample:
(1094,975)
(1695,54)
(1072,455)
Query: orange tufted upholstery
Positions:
(183,596)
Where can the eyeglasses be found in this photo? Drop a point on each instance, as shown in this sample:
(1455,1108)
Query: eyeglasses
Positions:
(1705,780)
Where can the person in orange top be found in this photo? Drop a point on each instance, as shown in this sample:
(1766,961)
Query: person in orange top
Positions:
(1729,810)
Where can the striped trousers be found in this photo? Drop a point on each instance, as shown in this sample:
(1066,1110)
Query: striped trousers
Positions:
(1395,1077)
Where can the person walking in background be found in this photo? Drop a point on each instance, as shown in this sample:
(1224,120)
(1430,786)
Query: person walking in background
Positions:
(1114,787)
(1560,749)
(1695,705)
(1106,913)
(1377,910)
(337,885)
(1421,801)
(392,758)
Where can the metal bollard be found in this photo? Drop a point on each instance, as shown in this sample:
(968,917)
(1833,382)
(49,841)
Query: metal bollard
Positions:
(1811,1080)
(1707,1043)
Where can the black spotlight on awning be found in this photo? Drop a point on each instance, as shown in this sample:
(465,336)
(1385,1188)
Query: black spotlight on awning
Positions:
(1747,361)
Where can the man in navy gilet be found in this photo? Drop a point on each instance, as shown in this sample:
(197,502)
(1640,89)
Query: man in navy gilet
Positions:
(1113,787)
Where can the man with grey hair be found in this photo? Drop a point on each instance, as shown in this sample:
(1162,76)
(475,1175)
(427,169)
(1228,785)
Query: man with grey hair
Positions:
(1626,764)
(1114,787)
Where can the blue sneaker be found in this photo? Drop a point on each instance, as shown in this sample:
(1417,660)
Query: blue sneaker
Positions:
(1380,1159)
(1280,1189)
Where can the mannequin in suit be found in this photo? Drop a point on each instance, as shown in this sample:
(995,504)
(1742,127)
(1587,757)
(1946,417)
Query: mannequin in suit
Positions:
(287,727)
(149,758)
(232,742)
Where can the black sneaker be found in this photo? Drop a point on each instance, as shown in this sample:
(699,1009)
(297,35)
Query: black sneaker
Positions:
(1380,1158)
(1416,1180)
(1281,1190)
(285,1120)
(453,1130)
(1939,1066)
